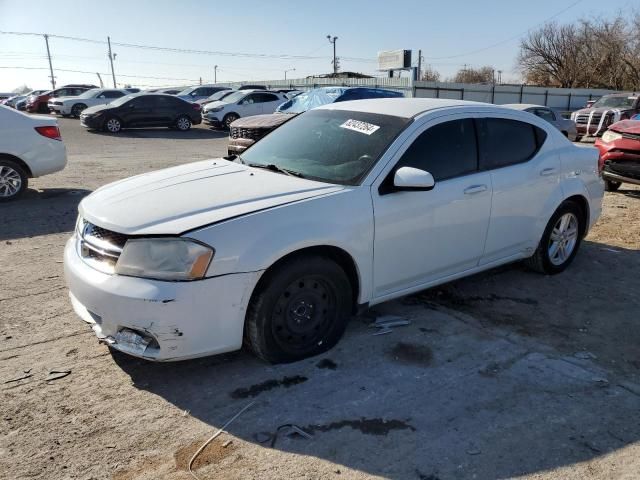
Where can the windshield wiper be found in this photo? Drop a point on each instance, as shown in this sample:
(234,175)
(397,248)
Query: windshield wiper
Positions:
(275,168)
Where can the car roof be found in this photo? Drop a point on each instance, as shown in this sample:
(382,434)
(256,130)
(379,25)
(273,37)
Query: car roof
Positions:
(524,106)
(400,107)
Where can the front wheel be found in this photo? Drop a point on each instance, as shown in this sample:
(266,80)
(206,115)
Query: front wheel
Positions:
(113,125)
(299,310)
(560,240)
(77,109)
(611,186)
(230,118)
(13,180)
(183,123)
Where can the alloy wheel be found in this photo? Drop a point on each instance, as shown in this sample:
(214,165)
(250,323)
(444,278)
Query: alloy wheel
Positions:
(563,239)
(10,182)
(113,125)
(183,123)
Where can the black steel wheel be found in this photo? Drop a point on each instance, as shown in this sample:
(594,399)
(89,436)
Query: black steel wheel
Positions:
(298,310)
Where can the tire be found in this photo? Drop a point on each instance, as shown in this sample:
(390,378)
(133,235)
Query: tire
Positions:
(611,186)
(77,109)
(112,125)
(299,310)
(563,239)
(13,180)
(183,123)
(229,119)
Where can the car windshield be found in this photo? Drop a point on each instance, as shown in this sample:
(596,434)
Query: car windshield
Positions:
(220,95)
(614,102)
(122,100)
(311,99)
(90,93)
(235,96)
(186,91)
(334,146)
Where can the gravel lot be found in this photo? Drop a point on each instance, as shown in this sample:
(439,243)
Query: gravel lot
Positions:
(505,374)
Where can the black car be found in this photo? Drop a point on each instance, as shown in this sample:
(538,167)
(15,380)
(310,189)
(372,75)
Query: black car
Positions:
(142,110)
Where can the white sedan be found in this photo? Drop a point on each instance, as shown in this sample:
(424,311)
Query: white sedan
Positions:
(30,146)
(345,206)
(243,103)
(74,106)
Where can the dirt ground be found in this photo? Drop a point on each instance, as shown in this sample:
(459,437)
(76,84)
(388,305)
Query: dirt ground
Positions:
(507,374)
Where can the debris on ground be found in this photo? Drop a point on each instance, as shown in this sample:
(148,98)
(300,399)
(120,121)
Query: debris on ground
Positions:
(213,437)
(385,323)
(23,377)
(57,375)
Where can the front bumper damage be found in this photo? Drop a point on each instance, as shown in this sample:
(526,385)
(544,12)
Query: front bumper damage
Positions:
(157,320)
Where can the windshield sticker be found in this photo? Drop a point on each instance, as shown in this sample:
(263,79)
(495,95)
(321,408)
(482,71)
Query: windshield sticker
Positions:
(359,126)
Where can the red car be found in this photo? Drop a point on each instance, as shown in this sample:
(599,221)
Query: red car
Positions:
(620,154)
(39,103)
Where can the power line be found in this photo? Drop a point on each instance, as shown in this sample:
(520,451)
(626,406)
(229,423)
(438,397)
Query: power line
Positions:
(502,42)
(101,73)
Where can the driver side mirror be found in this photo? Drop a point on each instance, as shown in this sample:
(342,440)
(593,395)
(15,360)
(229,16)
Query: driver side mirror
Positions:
(412,179)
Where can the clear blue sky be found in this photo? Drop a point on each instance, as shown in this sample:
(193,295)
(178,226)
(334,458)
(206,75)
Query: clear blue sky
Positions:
(440,29)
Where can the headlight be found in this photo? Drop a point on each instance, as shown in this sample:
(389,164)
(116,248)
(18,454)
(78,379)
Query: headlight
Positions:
(214,109)
(610,136)
(164,259)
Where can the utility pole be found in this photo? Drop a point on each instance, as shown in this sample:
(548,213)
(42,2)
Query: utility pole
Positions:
(419,65)
(290,70)
(111,57)
(215,74)
(335,64)
(53,79)
(500,77)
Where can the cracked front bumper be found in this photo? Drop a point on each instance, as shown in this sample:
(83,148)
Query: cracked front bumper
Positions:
(176,320)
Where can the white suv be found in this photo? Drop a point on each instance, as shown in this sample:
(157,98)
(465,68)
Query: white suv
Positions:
(345,206)
(75,105)
(30,146)
(243,103)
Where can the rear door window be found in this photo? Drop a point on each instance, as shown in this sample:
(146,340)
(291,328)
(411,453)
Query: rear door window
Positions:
(545,114)
(503,142)
(446,150)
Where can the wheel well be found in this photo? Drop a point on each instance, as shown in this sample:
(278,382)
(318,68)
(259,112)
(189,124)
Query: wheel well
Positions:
(6,156)
(584,206)
(341,257)
(230,113)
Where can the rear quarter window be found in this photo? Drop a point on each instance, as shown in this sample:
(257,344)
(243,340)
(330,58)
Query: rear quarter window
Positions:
(503,142)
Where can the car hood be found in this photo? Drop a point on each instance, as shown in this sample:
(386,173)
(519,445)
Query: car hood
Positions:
(603,109)
(217,103)
(95,109)
(626,126)
(270,120)
(178,199)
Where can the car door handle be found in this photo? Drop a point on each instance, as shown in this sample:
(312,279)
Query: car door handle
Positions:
(473,189)
(547,171)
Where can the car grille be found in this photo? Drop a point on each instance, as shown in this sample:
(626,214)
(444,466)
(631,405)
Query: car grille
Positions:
(100,247)
(250,133)
(583,119)
(626,168)
(55,103)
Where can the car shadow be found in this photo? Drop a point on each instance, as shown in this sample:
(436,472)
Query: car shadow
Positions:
(196,133)
(629,192)
(484,382)
(40,212)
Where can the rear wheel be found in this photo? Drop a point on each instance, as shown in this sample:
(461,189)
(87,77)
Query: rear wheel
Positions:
(560,240)
(112,125)
(13,180)
(299,310)
(77,109)
(183,123)
(230,118)
(611,186)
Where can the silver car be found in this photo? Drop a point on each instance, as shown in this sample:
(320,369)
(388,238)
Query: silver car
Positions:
(566,126)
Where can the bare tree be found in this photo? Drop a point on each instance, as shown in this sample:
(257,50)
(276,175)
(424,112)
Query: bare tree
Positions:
(473,75)
(21,89)
(602,53)
(429,74)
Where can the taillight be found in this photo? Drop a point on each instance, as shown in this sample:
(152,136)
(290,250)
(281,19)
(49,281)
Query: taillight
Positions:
(49,132)
(196,106)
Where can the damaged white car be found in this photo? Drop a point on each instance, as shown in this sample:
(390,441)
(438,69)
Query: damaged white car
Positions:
(345,206)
